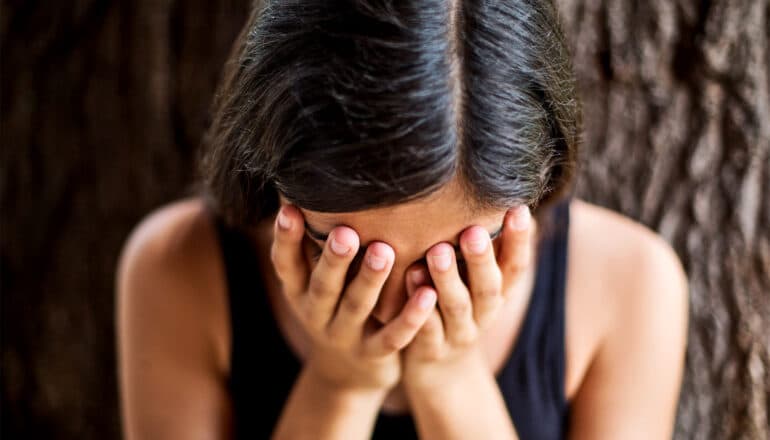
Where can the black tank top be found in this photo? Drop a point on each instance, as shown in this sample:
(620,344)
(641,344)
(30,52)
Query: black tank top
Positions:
(263,368)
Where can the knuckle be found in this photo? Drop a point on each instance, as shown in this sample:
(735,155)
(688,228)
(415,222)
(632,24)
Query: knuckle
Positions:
(356,305)
(476,259)
(413,320)
(306,313)
(275,258)
(519,261)
(516,265)
(296,305)
(456,308)
(496,278)
(335,337)
(485,319)
(319,286)
(488,291)
(464,338)
(392,341)
(431,329)
(274,252)
(280,269)
(432,353)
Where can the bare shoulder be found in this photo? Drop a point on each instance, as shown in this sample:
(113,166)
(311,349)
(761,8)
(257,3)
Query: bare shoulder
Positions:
(180,229)
(171,324)
(171,261)
(627,252)
(625,282)
(627,308)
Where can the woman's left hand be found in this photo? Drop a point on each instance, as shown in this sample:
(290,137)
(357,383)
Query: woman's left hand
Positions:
(448,342)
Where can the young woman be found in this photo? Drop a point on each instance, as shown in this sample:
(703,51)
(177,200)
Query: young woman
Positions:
(386,245)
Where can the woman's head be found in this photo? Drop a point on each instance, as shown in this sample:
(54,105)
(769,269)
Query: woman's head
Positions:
(346,106)
(406,234)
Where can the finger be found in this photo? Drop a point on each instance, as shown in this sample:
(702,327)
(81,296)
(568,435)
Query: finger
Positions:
(516,247)
(416,277)
(454,300)
(328,278)
(362,293)
(429,343)
(399,332)
(286,252)
(485,279)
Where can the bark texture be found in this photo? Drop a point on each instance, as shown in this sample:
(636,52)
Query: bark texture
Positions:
(104,103)
(677,136)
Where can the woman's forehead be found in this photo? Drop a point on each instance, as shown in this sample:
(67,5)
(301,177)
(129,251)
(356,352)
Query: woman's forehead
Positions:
(441,216)
(409,241)
(319,229)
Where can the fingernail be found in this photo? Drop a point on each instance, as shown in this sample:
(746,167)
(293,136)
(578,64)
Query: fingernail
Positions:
(477,246)
(521,218)
(283,221)
(426,299)
(441,261)
(375,261)
(418,277)
(339,248)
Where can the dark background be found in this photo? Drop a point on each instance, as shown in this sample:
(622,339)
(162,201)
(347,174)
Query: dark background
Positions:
(103,107)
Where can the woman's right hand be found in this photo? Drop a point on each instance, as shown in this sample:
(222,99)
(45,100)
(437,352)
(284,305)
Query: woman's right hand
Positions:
(345,353)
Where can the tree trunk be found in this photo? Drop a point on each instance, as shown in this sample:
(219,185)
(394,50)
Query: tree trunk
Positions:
(104,103)
(677,136)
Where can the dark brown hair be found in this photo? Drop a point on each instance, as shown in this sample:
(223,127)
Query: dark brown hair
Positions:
(348,105)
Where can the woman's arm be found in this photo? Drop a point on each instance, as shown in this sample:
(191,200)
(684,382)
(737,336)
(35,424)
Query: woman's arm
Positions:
(632,386)
(452,390)
(631,389)
(172,371)
(467,405)
(350,370)
(171,315)
(319,410)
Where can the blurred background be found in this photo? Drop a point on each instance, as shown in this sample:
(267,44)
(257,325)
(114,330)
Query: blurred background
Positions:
(103,104)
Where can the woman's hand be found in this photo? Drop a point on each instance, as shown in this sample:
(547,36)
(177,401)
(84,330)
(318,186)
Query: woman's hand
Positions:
(347,353)
(448,343)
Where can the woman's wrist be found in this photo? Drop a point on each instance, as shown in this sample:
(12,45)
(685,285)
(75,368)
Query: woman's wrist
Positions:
(345,388)
(427,377)
(320,409)
(466,403)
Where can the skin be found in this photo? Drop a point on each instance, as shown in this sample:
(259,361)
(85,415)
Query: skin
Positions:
(439,343)
(626,326)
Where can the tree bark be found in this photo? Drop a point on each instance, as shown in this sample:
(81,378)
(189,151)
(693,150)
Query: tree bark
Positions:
(677,136)
(104,103)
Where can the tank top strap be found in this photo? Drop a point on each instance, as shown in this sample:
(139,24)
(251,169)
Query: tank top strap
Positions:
(257,346)
(535,370)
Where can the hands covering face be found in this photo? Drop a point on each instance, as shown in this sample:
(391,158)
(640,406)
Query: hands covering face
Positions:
(465,310)
(336,312)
